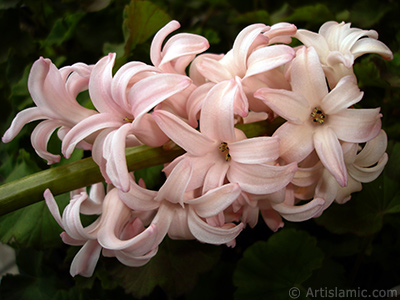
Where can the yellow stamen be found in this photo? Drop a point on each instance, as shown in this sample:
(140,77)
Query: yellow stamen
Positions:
(318,116)
(223,147)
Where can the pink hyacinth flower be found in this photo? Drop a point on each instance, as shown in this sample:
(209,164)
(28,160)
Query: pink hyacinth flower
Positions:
(54,92)
(319,119)
(338,45)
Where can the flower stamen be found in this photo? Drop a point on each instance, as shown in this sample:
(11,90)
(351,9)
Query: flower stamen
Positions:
(318,116)
(223,147)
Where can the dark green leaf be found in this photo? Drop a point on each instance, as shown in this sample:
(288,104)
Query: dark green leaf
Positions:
(142,19)
(175,268)
(268,270)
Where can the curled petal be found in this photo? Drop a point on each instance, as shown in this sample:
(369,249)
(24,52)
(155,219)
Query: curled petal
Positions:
(152,90)
(156,44)
(212,235)
(23,117)
(88,126)
(40,137)
(139,198)
(363,174)
(268,58)
(86,259)
(369,45)
(115,215)
(175,186)
(148,132)
(212,69)
(301,212)
(215,201)
(243,42)
(100,86)
(372,151)
(135,260)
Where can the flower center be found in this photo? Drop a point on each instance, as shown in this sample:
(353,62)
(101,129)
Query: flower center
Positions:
(128,120)
(223,147)
(318,116)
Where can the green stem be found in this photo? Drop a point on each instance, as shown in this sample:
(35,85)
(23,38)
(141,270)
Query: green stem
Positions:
(82,173)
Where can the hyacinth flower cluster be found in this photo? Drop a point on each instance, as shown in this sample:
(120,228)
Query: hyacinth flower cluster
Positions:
(323,151)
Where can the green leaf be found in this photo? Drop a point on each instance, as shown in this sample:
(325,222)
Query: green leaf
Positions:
(175,269)
(315,14)
(269,269)
(142,19)
(32,226)
(63,29)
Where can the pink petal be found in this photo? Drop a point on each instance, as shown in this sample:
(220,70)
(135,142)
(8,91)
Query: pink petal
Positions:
(195,102)
(345,94)
(175,186)
(243,42)
(272,219)
(215,201)
(87,127)
(372,151)
(215,175)
(287,104)
(114,153)
(212,235)
(86,259)
(23,117)
(356,125)
(296,141)
(212,69)
(182,134)
(217,114)
(100,87)
(195,69)
(148,132)
(330,153)
(309,38)
(369,45)
(183,44)
(150,91)
(40,137)
(53,207)
(134,260)
(115,215)
(156,44)
(139,198)
(364,174)
(256,150)
(308,78)
(299,213)
(268,58)
(261,179)
(123,79)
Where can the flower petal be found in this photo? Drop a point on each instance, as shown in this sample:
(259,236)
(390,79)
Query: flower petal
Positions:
(159,37)
(40,137)
(369,45)
(85,260)
(256,150)
(287,104)
(345,94)
(268,58)
(212,235)
(261,179)
(216,200)
(330,153)
(182,134)
(150,91)
(299,213)
(356,125)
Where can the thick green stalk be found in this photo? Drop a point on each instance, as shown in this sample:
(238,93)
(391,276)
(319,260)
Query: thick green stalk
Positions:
(82,173)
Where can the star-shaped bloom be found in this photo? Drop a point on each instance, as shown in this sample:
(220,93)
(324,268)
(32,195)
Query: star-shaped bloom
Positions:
(338,45)
(318,118)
